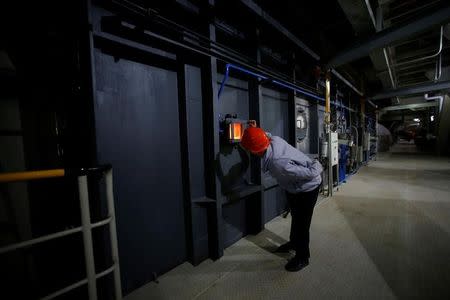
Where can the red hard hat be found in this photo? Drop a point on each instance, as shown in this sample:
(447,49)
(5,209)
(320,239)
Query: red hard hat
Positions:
(255,140)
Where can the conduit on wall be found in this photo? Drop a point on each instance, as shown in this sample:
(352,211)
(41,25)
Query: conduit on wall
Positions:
(260,76)
(276,82)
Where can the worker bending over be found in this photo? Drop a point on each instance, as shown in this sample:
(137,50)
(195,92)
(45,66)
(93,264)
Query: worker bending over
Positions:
(299,176)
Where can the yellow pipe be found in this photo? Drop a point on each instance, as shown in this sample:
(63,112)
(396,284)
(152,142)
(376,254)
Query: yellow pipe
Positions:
(327,98)
(31,175)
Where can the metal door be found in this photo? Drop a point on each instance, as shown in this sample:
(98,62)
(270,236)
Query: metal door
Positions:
(137,130)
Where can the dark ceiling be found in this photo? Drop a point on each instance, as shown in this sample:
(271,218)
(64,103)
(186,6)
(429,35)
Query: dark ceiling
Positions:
(322,25)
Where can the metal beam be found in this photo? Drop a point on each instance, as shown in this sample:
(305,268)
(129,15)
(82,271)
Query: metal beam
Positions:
(390,35)
(347,82)
(410,106)
(277,25)
(410,90)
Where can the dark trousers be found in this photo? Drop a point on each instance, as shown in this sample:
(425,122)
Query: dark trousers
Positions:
(302,207)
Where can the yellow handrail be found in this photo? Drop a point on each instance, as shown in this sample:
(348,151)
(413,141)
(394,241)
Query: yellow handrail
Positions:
(31,175)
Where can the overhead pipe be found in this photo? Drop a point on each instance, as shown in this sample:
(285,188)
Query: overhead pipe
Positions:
(283,30)
(432,98)
(264,77)
(371,103)
(297,90)
(386,56)
(425,57)
(411,11)
(213,49)
(254,7)
(416,54)
(388,64)
(338,75)
(277,25)
(438,74)
(411,106)
(276,82)
(410,90)
(424,64)
(388,36)
(378,27)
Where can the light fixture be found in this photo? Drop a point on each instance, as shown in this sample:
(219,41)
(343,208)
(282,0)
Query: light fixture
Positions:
(232,128)
(432,118)
(235,131)
(416,120)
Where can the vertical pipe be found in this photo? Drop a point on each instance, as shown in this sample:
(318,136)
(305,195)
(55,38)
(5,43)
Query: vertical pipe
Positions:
(328,132)
(363,111)
(225,78)
(87,236)
(330,166)
(357,147)
(376,133)
(113,233)
(327,98)
(363,126)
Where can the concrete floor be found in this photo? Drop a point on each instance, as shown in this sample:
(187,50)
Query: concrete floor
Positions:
(384,235)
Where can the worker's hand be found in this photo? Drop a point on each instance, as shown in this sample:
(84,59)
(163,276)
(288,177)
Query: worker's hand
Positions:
(251,123)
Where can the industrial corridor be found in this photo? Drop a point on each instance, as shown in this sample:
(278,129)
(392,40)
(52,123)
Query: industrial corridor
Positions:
(385,235)
(225,149)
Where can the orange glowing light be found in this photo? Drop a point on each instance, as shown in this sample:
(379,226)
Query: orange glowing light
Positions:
(235,132)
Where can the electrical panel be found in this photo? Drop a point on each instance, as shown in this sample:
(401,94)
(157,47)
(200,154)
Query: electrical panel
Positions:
(360,154)
(334,149)
(366,141)
(301,125)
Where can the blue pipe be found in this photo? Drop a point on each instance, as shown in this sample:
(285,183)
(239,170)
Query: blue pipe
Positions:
(247,71)
(342,106)
(227,72)
(225,78)
(259,76)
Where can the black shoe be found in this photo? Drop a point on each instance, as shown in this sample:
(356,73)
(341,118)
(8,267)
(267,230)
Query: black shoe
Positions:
(296,264)
(284,248)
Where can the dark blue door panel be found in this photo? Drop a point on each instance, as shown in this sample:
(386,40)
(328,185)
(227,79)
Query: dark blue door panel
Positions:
(136,118)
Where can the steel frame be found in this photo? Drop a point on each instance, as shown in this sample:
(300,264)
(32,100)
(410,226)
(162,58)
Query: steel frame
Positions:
(388,36)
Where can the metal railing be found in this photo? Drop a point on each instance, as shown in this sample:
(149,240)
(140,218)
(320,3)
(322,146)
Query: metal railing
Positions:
(85,228)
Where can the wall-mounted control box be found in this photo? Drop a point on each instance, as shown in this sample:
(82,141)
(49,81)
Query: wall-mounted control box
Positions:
(334,149)
(366,141)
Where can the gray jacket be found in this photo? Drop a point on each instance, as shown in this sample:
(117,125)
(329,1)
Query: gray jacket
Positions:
(294,171)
